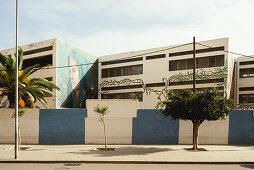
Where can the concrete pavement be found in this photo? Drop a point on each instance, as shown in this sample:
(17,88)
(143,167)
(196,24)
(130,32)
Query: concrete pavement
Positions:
(139,154)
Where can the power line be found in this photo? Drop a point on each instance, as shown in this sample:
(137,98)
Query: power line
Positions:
(133,56)
(130,57)
(226,51)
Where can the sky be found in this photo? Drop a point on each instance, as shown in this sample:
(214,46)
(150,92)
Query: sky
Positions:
(104,27)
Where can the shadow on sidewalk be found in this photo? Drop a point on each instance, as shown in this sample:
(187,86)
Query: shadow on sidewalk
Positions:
(248,166)
(122,151)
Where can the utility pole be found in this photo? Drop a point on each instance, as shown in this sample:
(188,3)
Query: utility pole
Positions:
(194,66)
(16,84)
(194,76)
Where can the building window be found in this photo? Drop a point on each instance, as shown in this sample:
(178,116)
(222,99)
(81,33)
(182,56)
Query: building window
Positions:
(122,71)
(135,86)
(131,95)
(155,84)
(197,82)
(202,62)
(49,78)
(155,56)
(246,62)
(212,62)
(190,64)
(182,64)
(43,61)
(104,73)
(246,89)
(200,90)
(247,72)
(246,98)
(219,59)
(121,61)
(205,50)
(172,65)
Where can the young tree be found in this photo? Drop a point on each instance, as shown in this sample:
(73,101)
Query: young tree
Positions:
(198,107)
(21,112)
(102,111)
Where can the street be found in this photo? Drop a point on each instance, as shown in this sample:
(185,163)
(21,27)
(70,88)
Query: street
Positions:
(77,166)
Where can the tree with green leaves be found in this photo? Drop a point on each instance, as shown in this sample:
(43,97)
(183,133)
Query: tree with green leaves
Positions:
(30,90)
(198,107)
(102,111)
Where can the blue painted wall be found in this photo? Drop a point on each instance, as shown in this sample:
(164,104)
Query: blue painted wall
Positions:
(152,128)
(67,126)
(62,126)
(241,127)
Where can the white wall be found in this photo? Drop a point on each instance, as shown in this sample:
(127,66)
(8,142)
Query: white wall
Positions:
(29,127)
(210,132)
(118,121)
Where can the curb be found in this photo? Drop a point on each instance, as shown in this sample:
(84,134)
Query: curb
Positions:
(120,162)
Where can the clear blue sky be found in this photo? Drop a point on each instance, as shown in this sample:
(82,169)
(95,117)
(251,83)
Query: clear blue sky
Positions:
(112,26)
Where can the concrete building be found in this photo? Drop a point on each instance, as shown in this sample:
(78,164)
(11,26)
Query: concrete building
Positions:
(127,75)
(244,80)
(77,83)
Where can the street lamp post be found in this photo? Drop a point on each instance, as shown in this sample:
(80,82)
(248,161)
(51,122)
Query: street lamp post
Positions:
(16,84)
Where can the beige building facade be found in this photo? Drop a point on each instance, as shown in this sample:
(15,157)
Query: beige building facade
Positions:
(244,88)
(127,75)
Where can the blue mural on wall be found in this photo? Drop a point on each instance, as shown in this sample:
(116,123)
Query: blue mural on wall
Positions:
(77,78)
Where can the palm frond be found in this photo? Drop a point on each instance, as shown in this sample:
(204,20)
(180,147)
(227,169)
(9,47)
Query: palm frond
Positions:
(20,57)
(43,101)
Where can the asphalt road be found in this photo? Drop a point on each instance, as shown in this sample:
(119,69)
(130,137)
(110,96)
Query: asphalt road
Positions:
(78,166)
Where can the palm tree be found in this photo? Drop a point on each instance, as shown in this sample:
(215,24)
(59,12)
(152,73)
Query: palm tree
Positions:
(30,89)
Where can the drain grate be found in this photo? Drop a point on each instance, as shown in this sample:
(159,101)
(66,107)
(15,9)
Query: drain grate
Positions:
(61,168)
(72,164)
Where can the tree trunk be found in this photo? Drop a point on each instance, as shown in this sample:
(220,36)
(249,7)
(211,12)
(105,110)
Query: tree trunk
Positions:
(196,125)
(19,135)
(105,136)
(11,98)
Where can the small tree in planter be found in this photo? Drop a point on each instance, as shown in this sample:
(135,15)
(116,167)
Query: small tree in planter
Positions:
(198,107)
(21,112)
(102,111)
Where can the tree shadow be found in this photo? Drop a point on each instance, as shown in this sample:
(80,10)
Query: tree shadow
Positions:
(35,149)
(228,150)
(123,151)
(248,166)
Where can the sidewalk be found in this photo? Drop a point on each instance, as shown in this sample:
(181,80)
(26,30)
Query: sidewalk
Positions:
(129,154)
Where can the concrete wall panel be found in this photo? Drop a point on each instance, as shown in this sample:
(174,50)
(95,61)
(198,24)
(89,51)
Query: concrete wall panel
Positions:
(29,127)
(118,108)
(118,121)
(118,130)
(210,132)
